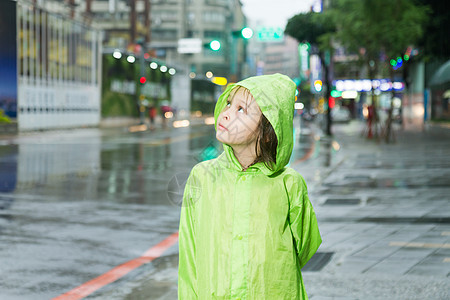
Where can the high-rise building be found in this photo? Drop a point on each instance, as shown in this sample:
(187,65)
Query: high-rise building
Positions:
(160,24)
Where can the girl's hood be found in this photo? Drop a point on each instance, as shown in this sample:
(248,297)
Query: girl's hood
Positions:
(275,95)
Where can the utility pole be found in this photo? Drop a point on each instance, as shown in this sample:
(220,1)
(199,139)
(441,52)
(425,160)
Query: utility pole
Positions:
(88,6)
(147,23)
(132,21)
(72,8)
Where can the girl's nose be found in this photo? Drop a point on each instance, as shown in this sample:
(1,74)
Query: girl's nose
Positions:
(226,116)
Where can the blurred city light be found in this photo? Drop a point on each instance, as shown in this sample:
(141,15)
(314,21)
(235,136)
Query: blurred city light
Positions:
(153,65)
(146,55)
(137,128)
(163,69)
(181,123)
(318,85)
(168,115)
(172,71)
(131,59)
(209,121)
(335,94)
(214,45)
(396,102)
(247,33)
(219,80)
(299,105)
(331,102)
(209,74)
(192,75)
(335,145)
(117,54)
(349,94)
(142,80)
(366,85)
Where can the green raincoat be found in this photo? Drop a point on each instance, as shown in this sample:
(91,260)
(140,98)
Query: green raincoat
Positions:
(247,234)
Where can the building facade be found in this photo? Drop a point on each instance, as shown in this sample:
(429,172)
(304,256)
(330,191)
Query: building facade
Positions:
(160,24)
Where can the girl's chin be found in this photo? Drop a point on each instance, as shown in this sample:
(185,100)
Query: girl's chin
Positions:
(220,137)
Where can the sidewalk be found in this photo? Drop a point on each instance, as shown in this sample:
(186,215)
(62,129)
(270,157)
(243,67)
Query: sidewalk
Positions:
(383,211)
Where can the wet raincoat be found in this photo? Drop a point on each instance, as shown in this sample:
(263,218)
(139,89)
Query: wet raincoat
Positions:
(247,234)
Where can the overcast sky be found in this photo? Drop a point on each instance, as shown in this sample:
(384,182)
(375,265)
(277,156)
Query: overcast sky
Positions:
(274,12)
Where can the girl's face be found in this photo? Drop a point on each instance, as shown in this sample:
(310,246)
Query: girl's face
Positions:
(237,124)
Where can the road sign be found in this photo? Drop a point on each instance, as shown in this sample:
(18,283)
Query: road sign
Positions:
(270,34)
(190,45)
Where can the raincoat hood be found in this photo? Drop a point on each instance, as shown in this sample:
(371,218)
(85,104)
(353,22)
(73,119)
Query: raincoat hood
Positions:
(275,96)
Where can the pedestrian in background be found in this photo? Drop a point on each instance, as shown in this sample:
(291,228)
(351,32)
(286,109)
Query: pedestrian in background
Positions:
(247,226)
(152,114)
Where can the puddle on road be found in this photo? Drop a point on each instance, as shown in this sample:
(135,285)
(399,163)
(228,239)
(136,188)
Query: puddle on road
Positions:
(119,168)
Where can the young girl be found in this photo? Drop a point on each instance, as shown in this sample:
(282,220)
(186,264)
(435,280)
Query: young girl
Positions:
(247,226)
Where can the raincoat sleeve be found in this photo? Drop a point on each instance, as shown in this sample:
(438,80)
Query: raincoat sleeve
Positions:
(303,222)
(187,269)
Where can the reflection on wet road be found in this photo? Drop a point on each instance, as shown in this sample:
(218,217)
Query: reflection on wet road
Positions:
(75,204)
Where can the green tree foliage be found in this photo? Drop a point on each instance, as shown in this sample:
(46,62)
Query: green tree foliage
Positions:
(435,43)
(379,27)
(316,29)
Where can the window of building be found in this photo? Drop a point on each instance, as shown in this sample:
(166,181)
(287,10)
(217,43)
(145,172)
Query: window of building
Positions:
(209,34)
(164,34)
(213,17)
(165,15)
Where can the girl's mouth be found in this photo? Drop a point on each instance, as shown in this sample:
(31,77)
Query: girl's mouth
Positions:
(223,128)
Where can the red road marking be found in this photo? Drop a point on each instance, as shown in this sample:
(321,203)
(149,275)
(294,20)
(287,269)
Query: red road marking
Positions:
(112,275)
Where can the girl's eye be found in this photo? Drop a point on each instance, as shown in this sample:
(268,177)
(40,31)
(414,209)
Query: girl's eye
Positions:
(241,109)
(228,104)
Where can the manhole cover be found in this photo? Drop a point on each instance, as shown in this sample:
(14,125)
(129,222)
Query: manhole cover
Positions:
(343,201)
(318,261)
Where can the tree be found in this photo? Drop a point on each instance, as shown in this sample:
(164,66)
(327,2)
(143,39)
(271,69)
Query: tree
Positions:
(317,30)
(379,30)
(435,42)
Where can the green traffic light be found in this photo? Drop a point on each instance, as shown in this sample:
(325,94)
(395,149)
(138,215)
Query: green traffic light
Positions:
(335,93)
(214,45)
(246,33)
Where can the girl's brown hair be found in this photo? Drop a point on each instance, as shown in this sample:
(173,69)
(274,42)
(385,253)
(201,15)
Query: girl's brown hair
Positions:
(266,143)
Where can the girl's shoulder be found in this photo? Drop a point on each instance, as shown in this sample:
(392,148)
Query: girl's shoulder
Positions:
(206,167)
(293,178)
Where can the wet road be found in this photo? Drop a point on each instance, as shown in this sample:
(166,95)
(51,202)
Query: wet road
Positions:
(75,204)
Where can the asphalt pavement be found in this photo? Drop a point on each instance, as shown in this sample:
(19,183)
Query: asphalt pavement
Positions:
(383,211)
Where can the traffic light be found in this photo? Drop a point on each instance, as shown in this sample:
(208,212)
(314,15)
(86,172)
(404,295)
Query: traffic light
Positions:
(335,94)
(318,85)
(214,45)
(245,33)
(142,79)
(331,102)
